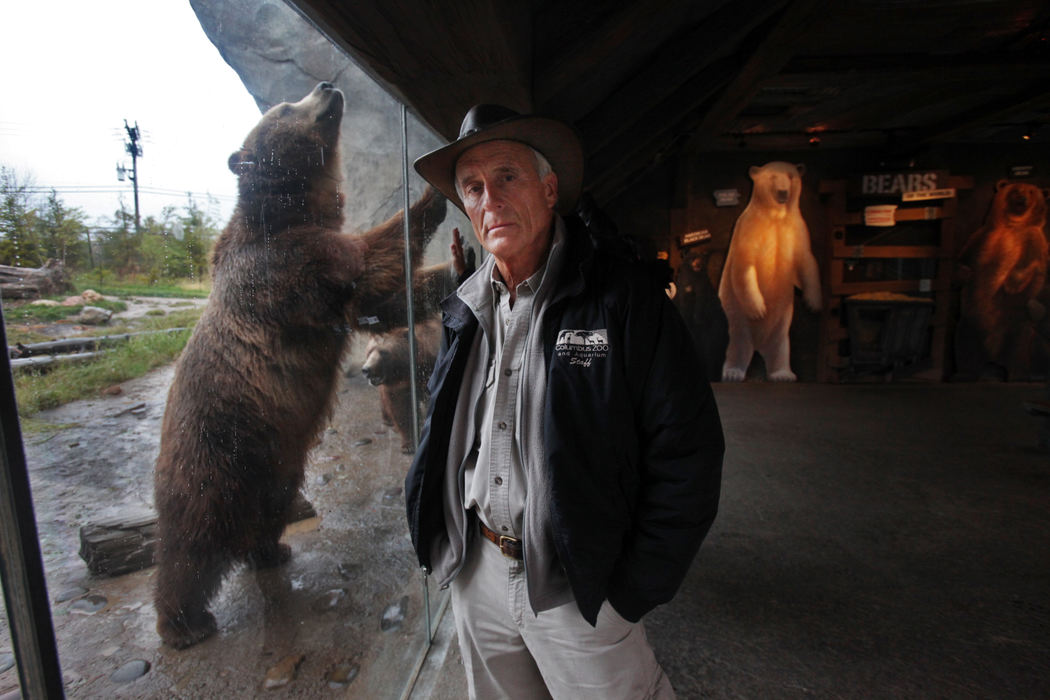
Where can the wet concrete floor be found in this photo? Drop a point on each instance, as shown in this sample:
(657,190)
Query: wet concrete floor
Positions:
(874,541)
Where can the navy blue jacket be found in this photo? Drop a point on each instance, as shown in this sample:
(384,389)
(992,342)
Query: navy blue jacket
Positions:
(633,438)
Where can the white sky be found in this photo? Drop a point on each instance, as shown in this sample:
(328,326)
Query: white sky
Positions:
(72,71)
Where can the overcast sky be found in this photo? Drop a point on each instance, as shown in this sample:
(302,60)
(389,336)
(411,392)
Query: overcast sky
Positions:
(72,71)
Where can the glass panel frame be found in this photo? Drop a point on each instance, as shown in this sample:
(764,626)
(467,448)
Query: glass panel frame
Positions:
(29,607)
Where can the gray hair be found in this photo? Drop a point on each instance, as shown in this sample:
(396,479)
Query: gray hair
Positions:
(543,168)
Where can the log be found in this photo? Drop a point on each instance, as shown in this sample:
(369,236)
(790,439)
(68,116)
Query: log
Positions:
(125,543)
(34,282)
(52,347)
(26,363)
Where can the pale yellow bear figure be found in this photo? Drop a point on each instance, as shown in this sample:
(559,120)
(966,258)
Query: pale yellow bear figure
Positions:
(769,255)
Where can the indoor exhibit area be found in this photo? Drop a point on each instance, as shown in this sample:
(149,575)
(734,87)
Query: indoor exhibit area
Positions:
(723,324)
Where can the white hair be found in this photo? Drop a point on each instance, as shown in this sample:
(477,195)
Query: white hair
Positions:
(543,168)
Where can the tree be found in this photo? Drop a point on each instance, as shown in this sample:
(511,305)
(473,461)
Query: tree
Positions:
(19,242)
(199,231)
(119,242)
(62,232)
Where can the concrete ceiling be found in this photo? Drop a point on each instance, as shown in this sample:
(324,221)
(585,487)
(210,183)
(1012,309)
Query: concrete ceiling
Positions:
(645,81)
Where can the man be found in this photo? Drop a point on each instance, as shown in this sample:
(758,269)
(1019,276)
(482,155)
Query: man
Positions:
(571,459)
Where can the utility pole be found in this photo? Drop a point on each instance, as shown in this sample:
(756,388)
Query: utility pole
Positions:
(134,149)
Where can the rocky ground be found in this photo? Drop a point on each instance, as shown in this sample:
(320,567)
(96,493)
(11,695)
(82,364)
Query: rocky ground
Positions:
(343,618)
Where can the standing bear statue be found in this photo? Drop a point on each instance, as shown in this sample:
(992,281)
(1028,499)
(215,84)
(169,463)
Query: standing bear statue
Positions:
(769,255)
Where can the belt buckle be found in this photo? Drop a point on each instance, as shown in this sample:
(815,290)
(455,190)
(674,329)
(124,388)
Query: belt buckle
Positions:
(507,546)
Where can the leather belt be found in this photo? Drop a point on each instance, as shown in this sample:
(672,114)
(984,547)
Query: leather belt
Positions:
(509,546)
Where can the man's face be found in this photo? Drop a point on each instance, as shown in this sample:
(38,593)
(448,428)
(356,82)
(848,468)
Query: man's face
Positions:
(510,207)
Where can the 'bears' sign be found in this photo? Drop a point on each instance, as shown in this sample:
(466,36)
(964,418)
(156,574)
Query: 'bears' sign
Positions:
(889,184)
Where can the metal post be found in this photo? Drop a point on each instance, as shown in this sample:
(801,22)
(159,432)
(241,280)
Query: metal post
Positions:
(411,317)
(21,567)
(134,150)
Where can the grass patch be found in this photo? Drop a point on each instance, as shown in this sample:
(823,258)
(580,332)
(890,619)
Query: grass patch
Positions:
(38,390)
(42,430)
(32,313)
(192,289)
(181,318)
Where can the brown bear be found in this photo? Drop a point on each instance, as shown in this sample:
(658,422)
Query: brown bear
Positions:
(1003,266)
(255,382)
(386,366)
(769,255)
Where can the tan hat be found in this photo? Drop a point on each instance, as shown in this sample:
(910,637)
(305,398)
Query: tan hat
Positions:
(556,140)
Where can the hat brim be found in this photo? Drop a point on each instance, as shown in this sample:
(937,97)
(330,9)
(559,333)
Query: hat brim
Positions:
(555,140)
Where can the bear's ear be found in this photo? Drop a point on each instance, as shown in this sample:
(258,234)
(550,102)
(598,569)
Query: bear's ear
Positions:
(241,161)
(801,167)
(1001,184)
(753,171)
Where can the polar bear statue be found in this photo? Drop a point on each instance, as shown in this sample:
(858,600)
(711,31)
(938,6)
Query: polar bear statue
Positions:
(769,255)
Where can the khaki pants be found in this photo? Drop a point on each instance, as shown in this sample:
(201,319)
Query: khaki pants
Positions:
(509,652)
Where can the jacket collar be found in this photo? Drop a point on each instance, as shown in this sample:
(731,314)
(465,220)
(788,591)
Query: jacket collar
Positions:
(579,257)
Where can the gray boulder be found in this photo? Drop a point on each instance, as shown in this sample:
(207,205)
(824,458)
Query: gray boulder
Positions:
(280,57)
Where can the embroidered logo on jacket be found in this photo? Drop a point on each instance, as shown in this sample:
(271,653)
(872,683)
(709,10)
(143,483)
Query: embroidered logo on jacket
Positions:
(582,347)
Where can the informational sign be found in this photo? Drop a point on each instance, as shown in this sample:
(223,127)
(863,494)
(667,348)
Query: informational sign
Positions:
(727,198)
(880,215)
(1022,171)
(888,184)
(922,195)
(694,237)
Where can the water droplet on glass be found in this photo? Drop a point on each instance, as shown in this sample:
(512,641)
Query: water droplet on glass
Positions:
(394,615)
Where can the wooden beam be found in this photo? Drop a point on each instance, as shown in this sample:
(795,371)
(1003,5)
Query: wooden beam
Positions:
(1031,99)
(585,69)
(677,62)
(438,58)
(718,92)
(840,67)
(657,129)
(784,38)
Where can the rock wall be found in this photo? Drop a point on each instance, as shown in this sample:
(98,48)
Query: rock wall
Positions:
(280,57)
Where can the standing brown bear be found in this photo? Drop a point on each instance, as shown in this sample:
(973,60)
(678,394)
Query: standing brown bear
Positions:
(387,365)
(255,382)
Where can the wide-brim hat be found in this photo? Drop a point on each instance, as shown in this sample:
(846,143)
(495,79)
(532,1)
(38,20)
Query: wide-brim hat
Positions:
(556,140)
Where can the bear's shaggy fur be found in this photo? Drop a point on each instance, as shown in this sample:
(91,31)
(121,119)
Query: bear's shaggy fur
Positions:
(1004,265)
(769,255)
(255,382)
(386,366)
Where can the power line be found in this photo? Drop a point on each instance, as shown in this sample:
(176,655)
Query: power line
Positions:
(109,189)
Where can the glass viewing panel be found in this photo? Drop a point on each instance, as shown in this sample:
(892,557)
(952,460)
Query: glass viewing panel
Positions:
(8,670)
(437,277)
(347,611)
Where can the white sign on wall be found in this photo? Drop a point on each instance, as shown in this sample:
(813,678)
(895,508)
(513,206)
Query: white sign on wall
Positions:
(727,198)
(945,193)
(880,215)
